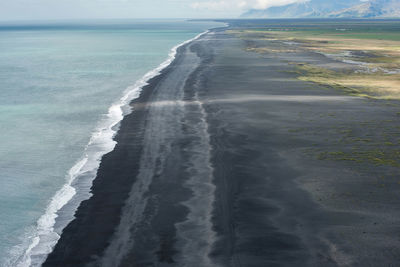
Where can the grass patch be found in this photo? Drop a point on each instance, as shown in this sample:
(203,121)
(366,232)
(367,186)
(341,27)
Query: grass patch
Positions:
(376,157)
(375,45)
(376,85)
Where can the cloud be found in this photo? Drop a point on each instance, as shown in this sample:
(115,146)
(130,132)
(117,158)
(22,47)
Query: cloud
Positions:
(213,5)
(240,4)
(262,4)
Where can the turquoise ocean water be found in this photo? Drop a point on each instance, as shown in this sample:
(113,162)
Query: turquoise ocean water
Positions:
(62,89)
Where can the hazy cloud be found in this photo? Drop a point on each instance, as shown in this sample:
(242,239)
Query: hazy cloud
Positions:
(88,9)
(240,4)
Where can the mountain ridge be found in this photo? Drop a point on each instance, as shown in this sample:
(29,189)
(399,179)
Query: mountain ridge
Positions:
(330,9)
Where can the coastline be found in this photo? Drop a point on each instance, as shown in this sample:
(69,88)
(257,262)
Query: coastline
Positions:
(218,166)
(121,139)
(62,207)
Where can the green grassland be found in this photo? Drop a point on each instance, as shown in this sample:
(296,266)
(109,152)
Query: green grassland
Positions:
(375,44)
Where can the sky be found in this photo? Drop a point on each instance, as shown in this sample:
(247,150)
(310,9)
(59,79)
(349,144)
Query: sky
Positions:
(105,9)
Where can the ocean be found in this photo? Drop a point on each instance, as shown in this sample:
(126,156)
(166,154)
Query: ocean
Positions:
(64,87)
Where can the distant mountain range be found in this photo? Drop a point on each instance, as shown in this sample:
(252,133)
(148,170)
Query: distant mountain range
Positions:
(330,9)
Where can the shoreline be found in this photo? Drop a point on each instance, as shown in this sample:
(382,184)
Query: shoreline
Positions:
(67,200)
(137,126)
(218,166)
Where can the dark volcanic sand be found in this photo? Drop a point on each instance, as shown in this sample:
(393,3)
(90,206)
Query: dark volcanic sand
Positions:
(218,166)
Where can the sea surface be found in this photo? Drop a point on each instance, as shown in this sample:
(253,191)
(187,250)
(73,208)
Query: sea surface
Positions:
(64,87)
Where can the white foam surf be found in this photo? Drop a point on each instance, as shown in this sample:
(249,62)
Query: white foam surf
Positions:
(45,235)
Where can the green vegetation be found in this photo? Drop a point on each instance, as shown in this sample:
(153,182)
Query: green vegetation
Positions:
(374,44)
(376,85)
(372,142)
(376,30)
(376,157)
(333,33)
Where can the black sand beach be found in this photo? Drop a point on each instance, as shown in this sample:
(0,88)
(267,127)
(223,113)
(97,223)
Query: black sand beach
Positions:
(220,165)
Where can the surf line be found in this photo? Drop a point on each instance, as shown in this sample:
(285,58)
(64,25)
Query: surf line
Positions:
(45,236)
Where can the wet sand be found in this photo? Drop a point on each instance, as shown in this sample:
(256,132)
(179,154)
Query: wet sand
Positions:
(218,166)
